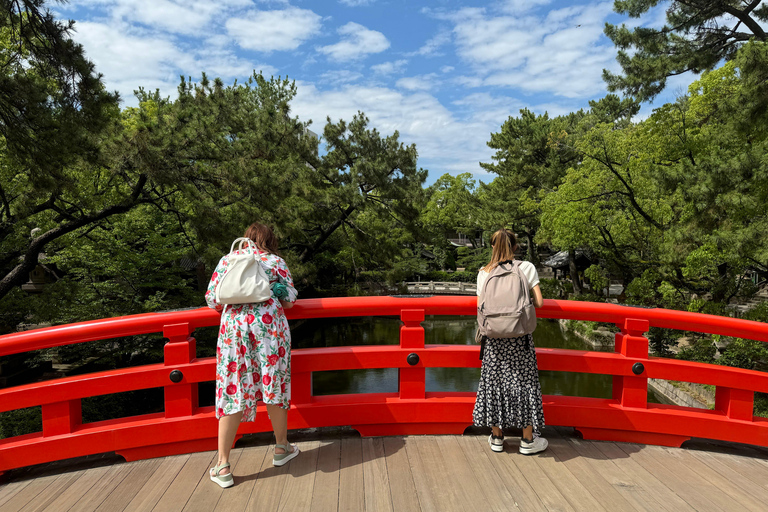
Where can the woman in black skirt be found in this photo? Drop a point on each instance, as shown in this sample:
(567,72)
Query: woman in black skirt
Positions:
(509,393)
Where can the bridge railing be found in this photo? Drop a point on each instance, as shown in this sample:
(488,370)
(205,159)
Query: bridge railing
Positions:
(184,426)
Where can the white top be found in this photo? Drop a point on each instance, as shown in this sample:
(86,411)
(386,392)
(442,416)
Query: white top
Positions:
(526,267)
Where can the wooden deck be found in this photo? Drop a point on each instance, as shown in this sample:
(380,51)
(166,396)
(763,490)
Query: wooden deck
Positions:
(419,473)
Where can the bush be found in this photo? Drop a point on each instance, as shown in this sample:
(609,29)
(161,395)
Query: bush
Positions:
(464,276)
(552,289)
(701,350)
(747,354)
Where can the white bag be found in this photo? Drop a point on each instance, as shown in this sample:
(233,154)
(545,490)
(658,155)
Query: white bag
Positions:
(244,281)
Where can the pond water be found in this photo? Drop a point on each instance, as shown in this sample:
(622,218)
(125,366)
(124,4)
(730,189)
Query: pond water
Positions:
(334,332)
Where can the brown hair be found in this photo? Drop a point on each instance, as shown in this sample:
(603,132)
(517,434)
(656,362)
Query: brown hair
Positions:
(503,245)
(263,237)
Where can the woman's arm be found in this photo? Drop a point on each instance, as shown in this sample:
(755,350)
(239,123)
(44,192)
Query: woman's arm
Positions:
(538,300)
(286,304)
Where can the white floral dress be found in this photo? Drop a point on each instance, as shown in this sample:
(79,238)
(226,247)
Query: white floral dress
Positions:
(253,352)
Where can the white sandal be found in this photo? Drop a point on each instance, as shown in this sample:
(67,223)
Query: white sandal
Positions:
(223,480)
(282,458)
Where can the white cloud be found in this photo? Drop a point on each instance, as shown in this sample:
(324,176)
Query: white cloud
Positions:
(176,16)
(521,6)
(563,52)
(433,45)
(356,3)
(129,59)
(389,68)
(280,30)
(427,82)
(356,42)
(446,69)
(340,77)
(468,81)
(419,117)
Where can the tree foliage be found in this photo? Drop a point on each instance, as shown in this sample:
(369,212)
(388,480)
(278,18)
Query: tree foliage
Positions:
(697,36)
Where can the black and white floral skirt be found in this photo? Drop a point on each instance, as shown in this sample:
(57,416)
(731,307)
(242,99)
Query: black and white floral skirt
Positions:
(509,393)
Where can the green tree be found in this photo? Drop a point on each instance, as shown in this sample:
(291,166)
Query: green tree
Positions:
(357,206)
(529,163)
(212,160)
(453,206)
(697,35)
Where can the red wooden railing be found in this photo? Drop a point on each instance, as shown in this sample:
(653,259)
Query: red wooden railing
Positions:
(185,427)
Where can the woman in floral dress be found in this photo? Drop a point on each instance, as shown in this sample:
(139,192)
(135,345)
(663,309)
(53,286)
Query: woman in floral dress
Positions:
(253,356)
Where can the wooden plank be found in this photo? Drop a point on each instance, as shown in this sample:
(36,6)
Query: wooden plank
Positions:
(538,480)
(207,493)
(433,468)
(325,492)
(195,469)
(523,495)
(38,499)
(246,472)
(378,494)
(571,488)
(300,479)
(8,490)
(739,470)
(628,478)
(28,492)
(479,463)
(68,496)
(151,492)
(654,484)
(419,471)
(351,490)
(686,484)
(139,474)
(470,492)
(588,476)
(97,494)
(268,488)
(402,488)
(741,490)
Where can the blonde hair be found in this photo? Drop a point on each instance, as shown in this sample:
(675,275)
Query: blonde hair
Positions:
(503,243)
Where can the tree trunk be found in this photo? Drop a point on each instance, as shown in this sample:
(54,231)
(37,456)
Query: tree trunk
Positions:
(574,273)
(533,254)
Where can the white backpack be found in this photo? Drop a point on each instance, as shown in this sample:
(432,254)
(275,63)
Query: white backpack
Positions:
(504,309)
(244,281)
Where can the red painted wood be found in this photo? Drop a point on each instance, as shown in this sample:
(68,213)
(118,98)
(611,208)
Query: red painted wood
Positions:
(411,378)
(367,306)
(181,398)
(62,417)
(737,404)
(184,426)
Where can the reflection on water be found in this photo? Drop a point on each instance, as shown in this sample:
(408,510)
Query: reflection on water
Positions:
(460,330)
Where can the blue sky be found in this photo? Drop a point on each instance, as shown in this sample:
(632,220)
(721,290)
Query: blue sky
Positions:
(445,74)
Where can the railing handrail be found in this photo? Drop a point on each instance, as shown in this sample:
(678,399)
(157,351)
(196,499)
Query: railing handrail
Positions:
(108,328)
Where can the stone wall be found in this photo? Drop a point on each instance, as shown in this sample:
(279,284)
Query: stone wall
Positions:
(687,394)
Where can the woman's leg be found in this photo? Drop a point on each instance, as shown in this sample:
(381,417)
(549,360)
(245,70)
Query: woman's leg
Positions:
(227,430)
(528,433)
(279,418)
(497,431)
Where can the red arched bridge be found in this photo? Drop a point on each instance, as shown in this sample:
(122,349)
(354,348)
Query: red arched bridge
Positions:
(185,427)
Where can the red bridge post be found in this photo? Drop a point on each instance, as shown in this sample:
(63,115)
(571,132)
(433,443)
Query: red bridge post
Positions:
(412,380)
(631,342)
(181,398)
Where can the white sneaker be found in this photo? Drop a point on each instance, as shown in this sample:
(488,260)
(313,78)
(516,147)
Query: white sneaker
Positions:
(539,444)
(497,443)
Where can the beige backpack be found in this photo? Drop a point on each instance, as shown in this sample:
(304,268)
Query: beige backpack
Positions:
(504,309)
